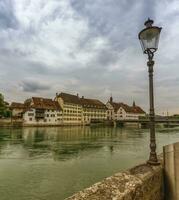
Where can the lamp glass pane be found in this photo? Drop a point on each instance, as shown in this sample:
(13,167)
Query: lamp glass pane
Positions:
(149,38)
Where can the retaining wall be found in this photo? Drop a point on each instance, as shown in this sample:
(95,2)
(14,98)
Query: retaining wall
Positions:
(143,182)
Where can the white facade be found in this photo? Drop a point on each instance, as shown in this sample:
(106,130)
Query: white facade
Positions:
(123,115)
(17,109)
(49,117)
(72,114)
(119,111)
(110,112)
(17,112)
(80,111)
(94,114)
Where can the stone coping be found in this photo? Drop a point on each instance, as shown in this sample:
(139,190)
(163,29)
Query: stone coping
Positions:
(143,182)
(171,148)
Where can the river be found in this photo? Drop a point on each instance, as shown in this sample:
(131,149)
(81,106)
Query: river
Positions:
(53,163)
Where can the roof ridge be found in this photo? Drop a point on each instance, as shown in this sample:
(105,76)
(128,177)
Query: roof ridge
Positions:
(42,98)
(68,94)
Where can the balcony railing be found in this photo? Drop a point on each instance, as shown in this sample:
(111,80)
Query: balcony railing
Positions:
(40,114)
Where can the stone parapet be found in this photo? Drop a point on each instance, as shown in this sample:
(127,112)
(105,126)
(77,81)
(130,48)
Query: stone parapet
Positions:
(143,182)
(171,171)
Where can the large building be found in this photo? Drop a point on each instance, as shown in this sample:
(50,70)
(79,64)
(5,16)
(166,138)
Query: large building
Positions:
(39,110)
(121,111)
(17,109)
(68,109)
(82,110)
(93,110)
(72,108)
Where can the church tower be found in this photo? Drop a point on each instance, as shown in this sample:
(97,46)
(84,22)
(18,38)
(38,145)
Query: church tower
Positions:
(111,99)
(134,104)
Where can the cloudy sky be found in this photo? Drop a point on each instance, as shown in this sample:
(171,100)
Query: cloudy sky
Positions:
(88,47)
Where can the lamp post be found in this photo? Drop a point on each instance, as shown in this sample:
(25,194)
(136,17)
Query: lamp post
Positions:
(149,38)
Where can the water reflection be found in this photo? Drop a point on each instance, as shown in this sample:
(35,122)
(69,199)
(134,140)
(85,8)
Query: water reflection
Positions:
(53,163)
(65,142)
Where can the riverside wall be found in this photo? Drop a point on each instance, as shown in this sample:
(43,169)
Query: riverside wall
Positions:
(11,123)
(143,182)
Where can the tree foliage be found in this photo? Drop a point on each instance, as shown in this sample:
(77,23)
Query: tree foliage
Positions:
(4,111)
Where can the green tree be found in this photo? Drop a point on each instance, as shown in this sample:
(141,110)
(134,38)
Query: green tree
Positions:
(2,105)
(4,111)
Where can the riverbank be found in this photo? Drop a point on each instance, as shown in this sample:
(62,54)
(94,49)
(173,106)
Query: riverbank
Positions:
(20,123)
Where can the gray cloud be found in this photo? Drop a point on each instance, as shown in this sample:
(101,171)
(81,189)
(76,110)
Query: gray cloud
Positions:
(87,47)
(7,17)
(33,86)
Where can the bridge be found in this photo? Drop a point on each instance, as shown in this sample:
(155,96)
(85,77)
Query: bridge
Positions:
(147,120)
(144,121)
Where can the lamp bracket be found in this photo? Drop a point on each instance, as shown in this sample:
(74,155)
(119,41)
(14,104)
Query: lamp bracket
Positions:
(150,54)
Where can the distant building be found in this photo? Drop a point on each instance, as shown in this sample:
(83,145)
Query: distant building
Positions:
(68,109)
(93,110)
(121,111)
(72,108)
(78,110)
(6,104)
(17,109)
(42,111)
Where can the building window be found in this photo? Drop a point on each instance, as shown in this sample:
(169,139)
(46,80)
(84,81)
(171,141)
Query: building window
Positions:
(30,119)
(30,114)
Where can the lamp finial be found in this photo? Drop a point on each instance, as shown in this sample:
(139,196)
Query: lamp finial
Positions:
(149,22)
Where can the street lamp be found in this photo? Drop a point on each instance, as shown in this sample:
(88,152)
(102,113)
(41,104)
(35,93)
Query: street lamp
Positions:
(149,38)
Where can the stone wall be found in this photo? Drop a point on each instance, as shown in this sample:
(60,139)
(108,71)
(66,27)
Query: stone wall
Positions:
(5,122)
(171,171)
(143,182)
(8,123)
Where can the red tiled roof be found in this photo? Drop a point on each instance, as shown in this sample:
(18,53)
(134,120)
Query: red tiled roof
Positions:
(116,106)
(27,102)
(69,98)
(43,103)
(92,103)
(17,105)
(75,99)
(128,109)
(137,109)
